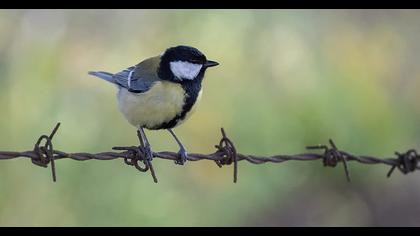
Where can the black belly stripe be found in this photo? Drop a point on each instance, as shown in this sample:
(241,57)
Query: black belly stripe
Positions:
(192,89)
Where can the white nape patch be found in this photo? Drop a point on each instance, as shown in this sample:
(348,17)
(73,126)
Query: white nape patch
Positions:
(185,70)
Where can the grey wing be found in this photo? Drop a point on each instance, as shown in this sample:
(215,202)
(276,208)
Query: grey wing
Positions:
(133,81)
(136,79)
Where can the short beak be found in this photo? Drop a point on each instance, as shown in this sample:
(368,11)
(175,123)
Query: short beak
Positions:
(210,63)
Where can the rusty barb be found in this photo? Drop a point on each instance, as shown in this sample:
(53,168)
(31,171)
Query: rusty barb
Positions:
(332,156)
(407,162)
(228,151)
(44,154)
(136,154)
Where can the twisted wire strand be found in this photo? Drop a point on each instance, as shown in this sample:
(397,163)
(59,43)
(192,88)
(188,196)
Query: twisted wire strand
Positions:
(225,154)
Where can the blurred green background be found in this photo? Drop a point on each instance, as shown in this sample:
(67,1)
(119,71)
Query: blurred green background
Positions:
(287,79)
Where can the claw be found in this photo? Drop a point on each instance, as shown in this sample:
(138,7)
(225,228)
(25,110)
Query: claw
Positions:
(183,157)
(148,153)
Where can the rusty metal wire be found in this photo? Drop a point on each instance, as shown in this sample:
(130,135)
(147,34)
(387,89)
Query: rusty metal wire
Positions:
(225,154)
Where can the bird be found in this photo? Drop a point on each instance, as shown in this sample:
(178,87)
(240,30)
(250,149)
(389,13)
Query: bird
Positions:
(161,92)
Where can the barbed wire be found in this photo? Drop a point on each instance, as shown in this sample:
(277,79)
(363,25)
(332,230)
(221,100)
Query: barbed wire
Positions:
(225,154)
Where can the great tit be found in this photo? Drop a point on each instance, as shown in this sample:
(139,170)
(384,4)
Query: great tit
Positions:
(161,92)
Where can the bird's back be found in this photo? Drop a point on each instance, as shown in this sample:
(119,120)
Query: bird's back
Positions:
(147,69)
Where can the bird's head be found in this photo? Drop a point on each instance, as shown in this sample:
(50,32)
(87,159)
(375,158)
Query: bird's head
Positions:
(183,63)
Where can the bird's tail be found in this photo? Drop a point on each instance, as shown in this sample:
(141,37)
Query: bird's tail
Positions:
(103,75)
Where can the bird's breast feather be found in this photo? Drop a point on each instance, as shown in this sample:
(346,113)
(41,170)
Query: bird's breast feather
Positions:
(160,104)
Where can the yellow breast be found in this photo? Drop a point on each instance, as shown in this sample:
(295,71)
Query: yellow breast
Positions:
(160,104)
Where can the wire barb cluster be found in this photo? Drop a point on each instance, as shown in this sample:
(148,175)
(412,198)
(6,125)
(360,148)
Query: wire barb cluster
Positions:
(407,162)
(228,150)
(332,156)
(44,154)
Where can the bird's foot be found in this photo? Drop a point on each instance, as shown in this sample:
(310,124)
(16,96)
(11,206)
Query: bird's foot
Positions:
(182,157)
(148,153)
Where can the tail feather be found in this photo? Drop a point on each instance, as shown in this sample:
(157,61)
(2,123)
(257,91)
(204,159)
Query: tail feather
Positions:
(103,75)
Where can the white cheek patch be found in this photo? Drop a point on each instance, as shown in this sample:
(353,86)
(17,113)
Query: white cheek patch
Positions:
(185,70)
